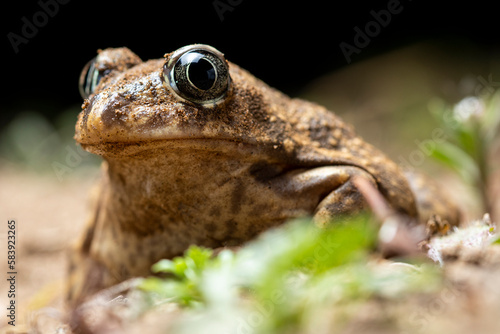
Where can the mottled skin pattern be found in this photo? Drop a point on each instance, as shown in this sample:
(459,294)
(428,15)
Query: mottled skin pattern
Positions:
(177,173)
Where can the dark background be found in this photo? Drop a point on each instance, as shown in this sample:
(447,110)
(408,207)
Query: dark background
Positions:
(286,44)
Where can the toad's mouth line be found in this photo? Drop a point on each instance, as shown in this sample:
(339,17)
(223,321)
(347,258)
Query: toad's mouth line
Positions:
(274,153)
(209,144)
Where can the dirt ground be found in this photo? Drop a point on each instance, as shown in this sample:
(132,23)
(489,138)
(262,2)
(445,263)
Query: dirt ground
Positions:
(49,216)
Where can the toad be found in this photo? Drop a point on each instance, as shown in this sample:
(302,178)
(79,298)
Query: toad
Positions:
(198,151)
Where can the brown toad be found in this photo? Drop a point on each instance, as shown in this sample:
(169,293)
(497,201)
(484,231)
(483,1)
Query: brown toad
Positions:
(198,151)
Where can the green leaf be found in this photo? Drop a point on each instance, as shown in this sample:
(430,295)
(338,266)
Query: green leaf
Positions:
(343,243)
(184,288)
(199,256)
(468,137)
(455,158)
(183,292)
(163,266)
(191,264)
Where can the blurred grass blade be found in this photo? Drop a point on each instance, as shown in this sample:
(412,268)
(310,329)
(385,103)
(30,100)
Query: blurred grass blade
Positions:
(455,158)
(491,121)
(468,138)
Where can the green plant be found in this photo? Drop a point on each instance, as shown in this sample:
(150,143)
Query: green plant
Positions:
(185,271)
(471,135)
(283,281)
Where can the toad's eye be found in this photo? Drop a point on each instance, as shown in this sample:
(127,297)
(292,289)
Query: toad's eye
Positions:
(90,78)
(198,73)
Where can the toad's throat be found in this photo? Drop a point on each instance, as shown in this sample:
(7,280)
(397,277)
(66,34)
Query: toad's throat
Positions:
(190,155)
(252,194)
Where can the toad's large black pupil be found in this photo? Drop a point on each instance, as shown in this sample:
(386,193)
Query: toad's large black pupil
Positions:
(200,76)
(201,73)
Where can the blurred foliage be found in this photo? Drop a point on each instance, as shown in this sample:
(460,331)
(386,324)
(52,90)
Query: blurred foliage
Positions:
(32,142)
(471,140)
(187,270)
(284,281)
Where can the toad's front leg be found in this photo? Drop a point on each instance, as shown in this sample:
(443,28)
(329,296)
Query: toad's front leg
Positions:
(344,198)
(329,190)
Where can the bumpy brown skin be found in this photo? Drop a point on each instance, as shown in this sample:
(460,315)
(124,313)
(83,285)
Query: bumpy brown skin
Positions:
(177,173)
